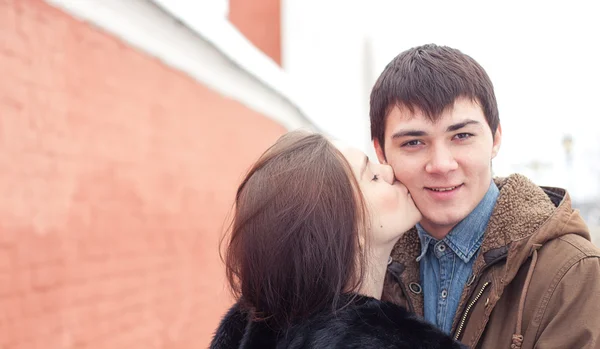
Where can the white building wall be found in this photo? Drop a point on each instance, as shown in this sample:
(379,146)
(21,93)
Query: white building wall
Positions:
(323,51)
(196,38)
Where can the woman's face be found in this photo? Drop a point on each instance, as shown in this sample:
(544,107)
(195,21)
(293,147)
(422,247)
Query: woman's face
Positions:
(390,206)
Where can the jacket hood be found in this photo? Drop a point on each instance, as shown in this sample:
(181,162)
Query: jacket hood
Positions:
(525,217)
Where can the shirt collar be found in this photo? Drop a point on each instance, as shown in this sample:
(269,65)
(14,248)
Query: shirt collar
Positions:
(467,236)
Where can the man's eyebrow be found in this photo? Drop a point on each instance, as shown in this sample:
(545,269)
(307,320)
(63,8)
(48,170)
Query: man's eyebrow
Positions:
(363,167)
(420,133)
(461,124)
(409,133)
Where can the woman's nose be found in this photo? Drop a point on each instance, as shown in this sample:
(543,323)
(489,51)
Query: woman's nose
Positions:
(388,174)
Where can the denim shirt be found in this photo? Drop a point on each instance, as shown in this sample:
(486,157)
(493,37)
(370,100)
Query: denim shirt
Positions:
(445,265)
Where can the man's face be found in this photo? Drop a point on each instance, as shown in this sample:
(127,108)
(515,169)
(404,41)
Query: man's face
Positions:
(446,166)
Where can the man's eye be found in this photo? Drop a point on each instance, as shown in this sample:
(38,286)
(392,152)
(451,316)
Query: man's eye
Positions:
(463,135)
(412,143)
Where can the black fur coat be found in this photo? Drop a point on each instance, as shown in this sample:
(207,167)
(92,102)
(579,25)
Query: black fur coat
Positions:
(366,323)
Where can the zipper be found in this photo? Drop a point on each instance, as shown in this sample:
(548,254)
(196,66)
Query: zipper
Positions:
(464,318)
(486,267)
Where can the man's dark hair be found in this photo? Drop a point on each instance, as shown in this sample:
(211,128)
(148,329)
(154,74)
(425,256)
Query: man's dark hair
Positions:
(430,78)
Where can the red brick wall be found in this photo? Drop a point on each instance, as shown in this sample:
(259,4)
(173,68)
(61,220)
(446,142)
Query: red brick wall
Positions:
(116,173)
(260,22)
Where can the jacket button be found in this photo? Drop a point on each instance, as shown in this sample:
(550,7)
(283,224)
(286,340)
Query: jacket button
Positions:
(415,288)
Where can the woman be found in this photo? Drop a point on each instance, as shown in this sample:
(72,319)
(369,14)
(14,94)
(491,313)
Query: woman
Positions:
(310,241)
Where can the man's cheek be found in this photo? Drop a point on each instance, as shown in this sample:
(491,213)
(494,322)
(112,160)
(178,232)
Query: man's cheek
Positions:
(402,175)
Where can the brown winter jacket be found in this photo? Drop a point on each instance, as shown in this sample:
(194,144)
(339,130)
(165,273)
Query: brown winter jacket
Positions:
(535,282)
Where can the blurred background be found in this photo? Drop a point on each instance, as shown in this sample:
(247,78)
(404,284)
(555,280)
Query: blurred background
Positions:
(126,126)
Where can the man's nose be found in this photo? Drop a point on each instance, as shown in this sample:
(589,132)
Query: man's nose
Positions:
(441,160)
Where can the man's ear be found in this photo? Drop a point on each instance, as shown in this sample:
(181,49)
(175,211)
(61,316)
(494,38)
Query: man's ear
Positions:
(497,141)
(379,151)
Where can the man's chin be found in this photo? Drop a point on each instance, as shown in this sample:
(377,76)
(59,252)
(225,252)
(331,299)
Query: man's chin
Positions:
(439,222)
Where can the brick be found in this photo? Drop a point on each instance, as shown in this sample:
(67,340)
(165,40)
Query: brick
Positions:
(6,259)
(82,293)
(10,309)
(47,276)
(53,301)
(31,304)
(8,233)
(6,288)
(18,331)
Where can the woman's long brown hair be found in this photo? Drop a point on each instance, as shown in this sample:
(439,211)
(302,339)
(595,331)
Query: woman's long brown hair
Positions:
(295,241)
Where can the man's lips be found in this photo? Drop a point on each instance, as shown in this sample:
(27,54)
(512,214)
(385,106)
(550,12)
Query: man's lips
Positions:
(442,189)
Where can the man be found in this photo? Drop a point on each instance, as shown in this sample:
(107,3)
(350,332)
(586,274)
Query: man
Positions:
(498,263)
